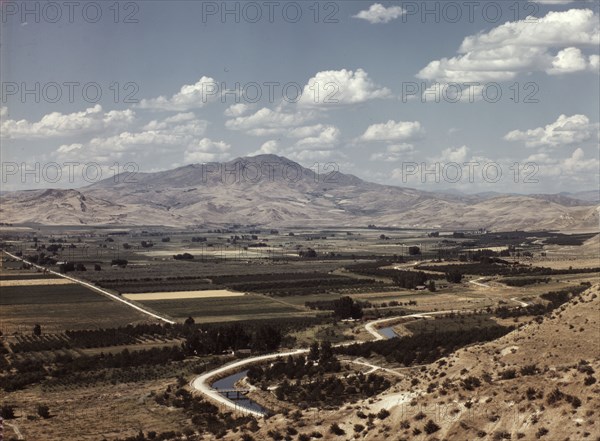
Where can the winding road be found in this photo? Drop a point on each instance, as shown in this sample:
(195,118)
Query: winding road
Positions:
(202,382)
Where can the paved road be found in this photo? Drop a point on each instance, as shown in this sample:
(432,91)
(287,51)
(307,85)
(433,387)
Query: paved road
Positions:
(94,288)
(202,382)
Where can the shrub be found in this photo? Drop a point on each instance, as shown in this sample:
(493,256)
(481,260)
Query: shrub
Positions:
(383,414)
(541,432)
(336,429)
(508,374)
(530,369)
(7,412)
(431,427)
(420,416)
(43,411)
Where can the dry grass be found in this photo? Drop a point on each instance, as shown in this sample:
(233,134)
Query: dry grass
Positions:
(35,282)
(172,295)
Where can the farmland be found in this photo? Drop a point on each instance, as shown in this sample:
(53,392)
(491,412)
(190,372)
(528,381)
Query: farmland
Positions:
(224,302)
(214,309)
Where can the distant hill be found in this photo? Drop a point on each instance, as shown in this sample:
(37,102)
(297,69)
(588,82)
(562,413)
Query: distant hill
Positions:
(273,190)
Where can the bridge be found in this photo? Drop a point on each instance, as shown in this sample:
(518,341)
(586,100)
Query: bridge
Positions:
(233,393)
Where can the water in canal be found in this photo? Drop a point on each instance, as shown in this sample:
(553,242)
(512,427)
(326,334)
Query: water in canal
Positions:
(388,332)
(229,383)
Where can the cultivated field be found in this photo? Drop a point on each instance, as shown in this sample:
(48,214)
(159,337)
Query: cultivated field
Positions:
(174,295)
(57,304)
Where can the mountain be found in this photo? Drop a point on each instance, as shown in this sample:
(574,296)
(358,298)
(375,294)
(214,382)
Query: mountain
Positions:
(275,191)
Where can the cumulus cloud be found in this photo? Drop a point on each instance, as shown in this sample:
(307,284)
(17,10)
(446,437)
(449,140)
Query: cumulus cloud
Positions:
(58,124)
(521,46)
(341,87)
(175,132)
(566,130)
(575,168)
(328,137)
(393,131)
(458,155)
(268,148)
(237,109)
(206,150)
(190,96)
(394,152)
(268,122)
(570,60)
(377,13)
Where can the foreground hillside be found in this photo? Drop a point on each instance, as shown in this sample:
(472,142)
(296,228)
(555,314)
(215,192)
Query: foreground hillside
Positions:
(537,382)
(284,194)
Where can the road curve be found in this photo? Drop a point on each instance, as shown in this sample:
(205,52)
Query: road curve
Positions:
(202,382)
(95,288)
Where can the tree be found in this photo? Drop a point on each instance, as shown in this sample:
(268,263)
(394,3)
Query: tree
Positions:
(345,307)
(454,276)
(314,351)
(37,330)
(308,254)
(189,321)
(413,251)
(431,286)
(66,267)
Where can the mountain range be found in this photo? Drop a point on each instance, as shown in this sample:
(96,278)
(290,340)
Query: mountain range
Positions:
(271,190)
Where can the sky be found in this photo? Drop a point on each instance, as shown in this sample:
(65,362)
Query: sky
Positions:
(461,96)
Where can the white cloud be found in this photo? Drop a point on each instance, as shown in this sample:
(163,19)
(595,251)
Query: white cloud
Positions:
(237,109)
(268,122)
(458,155)
(156,137)
(378,13)
(70,148)
(514,47)
(268,148)
(206,150)
(575,168)
(341,87)
(568,60)
(328,137)
(190,96)
(3,111)
(393,131)
(394,152)
(57,124)
(566,130)
(305,131)
(168,122)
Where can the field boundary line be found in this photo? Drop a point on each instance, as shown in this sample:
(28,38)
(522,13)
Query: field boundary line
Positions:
(95,288)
